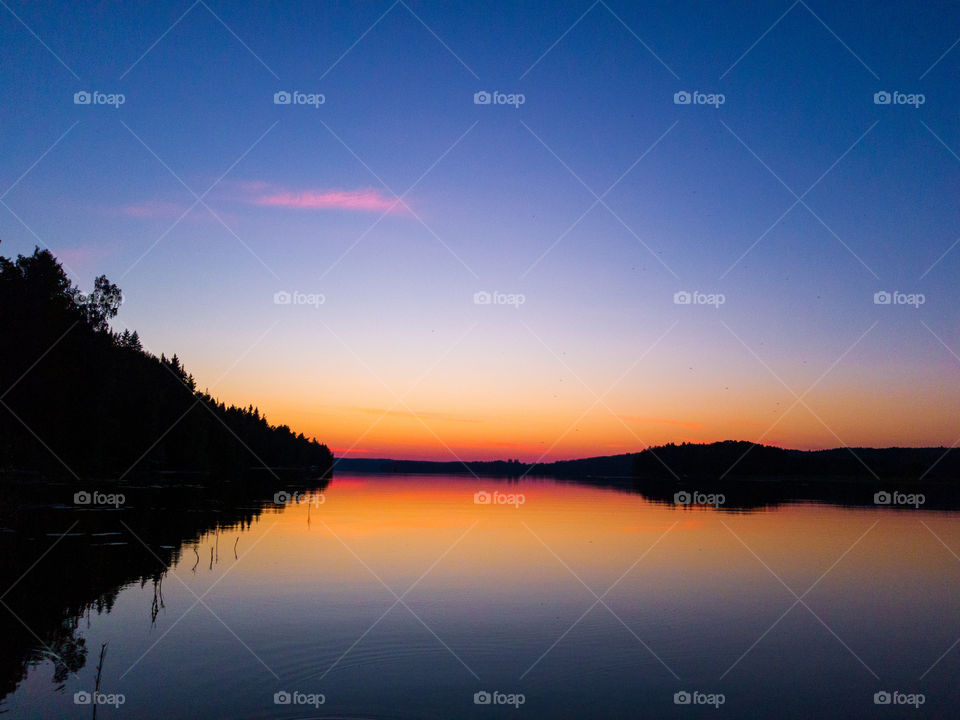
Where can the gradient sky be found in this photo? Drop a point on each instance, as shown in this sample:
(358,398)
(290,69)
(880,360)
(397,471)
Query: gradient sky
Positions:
(399,360)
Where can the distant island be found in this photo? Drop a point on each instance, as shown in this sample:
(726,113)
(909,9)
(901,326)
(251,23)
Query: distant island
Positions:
(81,400)
(730,460)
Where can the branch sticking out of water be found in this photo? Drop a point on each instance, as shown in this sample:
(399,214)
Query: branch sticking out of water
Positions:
(96,687)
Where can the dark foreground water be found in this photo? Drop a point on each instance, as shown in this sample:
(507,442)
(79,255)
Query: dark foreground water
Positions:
(404,597)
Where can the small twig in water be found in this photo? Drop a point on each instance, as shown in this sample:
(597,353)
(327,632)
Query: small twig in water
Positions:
(96,687)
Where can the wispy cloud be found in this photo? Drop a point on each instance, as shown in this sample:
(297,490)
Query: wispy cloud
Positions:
(82,259)
(407,414)
(152,209)
(264,194)
(167,211)
(661,421)
(360,200)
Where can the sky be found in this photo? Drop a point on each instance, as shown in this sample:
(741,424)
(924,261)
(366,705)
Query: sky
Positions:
(586,264)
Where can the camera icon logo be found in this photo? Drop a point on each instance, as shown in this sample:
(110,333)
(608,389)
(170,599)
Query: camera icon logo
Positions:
(82,498)
(881,98)
(682,498)
(281,698)
(482,698)
(681,98)
(481,498)
(482,298)
(882,698)
(882,498)
(682,698)
(82,697)
(882,298)
(282,298)
(481,97)
(281,97)
(282,497)
(81,98)
(682,298)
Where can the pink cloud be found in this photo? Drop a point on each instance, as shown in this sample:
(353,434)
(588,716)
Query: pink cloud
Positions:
(81,257)
(363,200)
(152,209)
(169,211)
(81,262)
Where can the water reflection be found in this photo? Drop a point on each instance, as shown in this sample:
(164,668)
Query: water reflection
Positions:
(61,563)
(747,495)
(402,596)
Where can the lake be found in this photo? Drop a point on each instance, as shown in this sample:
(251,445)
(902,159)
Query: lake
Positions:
(387,596)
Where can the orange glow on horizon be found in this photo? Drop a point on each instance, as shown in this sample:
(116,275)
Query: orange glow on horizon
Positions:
(435,425)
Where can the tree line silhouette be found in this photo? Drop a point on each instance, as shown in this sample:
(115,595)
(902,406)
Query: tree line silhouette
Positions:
(82,400)
(709,462)
(740,459)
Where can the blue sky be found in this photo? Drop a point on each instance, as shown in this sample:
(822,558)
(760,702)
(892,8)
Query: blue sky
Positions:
(700,199)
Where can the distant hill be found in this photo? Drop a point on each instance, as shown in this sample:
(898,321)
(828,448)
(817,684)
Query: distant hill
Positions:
(730,459)
(610,466)
(416,467)
(740,459)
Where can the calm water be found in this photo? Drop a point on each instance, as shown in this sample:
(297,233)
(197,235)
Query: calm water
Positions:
(400,597)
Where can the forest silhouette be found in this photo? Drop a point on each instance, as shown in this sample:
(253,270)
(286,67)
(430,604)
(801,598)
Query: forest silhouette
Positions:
(83,400)
(709,462)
